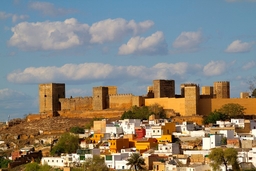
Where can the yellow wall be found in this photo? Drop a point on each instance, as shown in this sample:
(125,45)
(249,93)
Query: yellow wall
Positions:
(97,137)
(165,138)
(145,144)
(206,106)
(169,128)
(177,104)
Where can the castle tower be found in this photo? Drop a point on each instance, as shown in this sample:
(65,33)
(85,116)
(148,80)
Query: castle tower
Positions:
(100,98)
(207,90)
(191,92)
(182,88)
(221,89)
(164,88)
(49,95)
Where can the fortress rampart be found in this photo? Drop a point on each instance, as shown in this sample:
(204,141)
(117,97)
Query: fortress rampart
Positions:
(77,103)
(106,102)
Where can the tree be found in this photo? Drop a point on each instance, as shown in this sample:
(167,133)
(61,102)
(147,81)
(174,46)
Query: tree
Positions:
(32,167)
(157,110)
(136,112)
(143,112)
(215,116)
(95,164)
(77,130)
(219,156)
(254,93)
(4,162)
(67,143)
(136,162)
(252,86)
(233,110)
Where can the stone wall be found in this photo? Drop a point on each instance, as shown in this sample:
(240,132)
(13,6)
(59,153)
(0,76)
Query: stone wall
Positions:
(77,103)
(176,104)
(121,101)
(206,106)
(92,113)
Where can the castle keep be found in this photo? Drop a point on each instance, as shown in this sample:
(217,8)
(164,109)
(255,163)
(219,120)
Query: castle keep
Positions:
(106,101)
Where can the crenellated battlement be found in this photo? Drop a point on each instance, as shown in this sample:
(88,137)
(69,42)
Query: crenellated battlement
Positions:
(114,95)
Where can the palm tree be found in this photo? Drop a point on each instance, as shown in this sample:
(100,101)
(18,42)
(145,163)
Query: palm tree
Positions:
(136,161)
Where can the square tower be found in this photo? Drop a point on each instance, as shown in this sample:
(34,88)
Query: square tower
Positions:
(163,88)
(49,95)
(100,98)
(191,99)
(221,89)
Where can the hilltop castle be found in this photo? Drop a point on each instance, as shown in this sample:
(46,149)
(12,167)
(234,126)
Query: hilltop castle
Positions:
(106,101)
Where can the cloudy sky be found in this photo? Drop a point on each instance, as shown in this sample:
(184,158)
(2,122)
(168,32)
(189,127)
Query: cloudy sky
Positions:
(124,43)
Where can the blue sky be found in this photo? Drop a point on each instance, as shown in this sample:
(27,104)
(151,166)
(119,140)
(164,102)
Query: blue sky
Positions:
(122,43)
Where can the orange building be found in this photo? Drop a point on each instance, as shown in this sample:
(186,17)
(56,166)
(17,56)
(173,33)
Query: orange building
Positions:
(97,137)
(143,145)
(115,145)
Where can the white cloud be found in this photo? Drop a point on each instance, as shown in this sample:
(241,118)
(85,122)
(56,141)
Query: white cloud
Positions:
(94,72)
(152,45)
(49,35)
(214,68)
(8,94)
(238,46)
(110,30)
(4,15)
(49,9)
(188,41)
(249,65)
(14,17)
(62,35)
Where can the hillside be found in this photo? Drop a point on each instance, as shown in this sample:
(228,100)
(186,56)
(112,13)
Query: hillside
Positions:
(23,133)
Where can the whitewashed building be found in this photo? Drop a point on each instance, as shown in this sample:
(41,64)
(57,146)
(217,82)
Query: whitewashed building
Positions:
(168,149)
(212,141)
(117,160)
(128,125)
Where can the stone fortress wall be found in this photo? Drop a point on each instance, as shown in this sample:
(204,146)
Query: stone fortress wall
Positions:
(107,102)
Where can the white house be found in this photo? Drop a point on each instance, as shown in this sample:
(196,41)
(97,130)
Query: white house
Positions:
(229,134)
(114,130)
(238,123)
(185,127)
(223,124)
(117,160)
(129,125)
(54,161)
(156,131)
(168,149)
(211,142)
